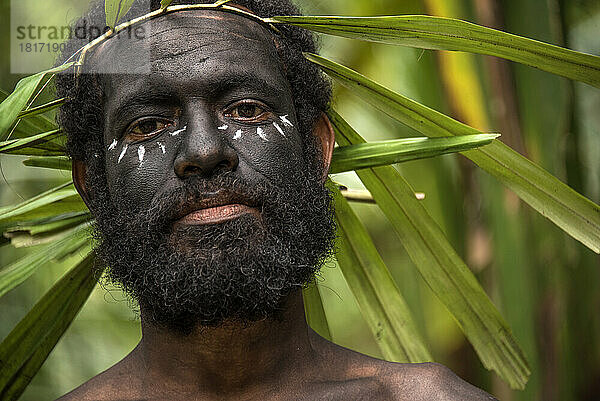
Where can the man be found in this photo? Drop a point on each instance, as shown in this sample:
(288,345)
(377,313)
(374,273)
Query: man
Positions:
(204,166)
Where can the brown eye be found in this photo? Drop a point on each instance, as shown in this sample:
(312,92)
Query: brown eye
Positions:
(248,112)
(147,127)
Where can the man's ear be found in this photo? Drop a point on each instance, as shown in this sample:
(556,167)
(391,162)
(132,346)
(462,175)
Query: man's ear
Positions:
(326,136)
(79,170)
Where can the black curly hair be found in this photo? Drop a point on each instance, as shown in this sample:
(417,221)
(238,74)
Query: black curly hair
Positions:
(81,117)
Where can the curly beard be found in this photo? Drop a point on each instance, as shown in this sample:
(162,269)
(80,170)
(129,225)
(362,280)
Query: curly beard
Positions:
(203,275)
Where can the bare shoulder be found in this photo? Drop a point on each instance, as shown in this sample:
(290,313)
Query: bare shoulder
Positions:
(112,384)
(429,381)
(402,381)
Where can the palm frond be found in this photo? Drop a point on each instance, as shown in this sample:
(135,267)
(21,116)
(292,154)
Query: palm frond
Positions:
(440,33)
(440,266)
(572,212)
(62,200)
(383,153)
(64,244)
(378,298)
(25,349)
(19,99)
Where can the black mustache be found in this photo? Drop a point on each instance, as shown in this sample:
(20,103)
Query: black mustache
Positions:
(196,193)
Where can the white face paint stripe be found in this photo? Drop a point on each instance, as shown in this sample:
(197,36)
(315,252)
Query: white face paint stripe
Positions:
(174,133)
(261,134)
(285,120)
(112,145)
(162,147)
(238,134)
(141,153)
(223,127)
(278,128)
(123,153)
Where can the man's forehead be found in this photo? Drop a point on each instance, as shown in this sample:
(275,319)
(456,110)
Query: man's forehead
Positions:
(160,42)
(204,50)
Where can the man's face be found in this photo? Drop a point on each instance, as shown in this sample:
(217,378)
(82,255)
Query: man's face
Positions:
(214,207)
(215,99)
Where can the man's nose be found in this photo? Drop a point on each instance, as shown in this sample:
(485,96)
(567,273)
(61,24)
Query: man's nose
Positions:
(204,151)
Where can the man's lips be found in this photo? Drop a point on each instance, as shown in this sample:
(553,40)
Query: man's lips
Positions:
(217,214)
(214,207)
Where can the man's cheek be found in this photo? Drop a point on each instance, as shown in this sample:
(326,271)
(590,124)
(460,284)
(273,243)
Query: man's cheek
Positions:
(135,171)
(271,150)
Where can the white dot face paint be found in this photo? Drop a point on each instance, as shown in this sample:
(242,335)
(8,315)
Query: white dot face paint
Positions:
(122,153)
(113,145)
(223,127)
(286,121)
(179,131)
(261,133)
(141,153)
(278,128)
(238,134)
(162,147)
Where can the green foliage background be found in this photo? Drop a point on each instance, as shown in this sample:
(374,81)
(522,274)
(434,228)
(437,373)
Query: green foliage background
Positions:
(544,282)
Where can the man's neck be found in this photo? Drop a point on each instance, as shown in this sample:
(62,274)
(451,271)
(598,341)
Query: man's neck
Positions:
(232,359)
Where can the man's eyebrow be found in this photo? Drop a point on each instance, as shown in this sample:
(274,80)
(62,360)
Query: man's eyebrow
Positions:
(244,80)
(144,98)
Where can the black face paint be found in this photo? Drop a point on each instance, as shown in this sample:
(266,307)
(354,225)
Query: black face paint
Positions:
(215,91)
(215,118)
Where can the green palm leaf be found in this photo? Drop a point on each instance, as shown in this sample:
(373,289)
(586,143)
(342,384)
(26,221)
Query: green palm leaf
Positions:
(383,153)
(443,270)
(25,349)
(16,102)
(52,162)
(45,231)
(314,311)
(63,199)
(43,108)
(19,271)
(115,10)
(575,214)
(439,33)
(378,298)
(47,143)
(32,125)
